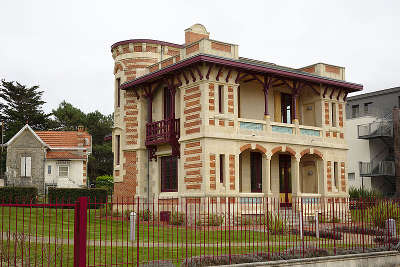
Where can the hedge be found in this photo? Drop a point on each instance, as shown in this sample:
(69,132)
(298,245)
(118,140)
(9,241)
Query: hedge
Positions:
(71,195)
(18,195)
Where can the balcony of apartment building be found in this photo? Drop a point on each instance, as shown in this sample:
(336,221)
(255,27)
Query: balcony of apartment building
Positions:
(282,114)
(381,142)
(163,123)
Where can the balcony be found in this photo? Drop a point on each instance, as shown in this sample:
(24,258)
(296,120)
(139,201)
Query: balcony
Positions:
(269,129)
(162,132)
(382,168)
(375,130)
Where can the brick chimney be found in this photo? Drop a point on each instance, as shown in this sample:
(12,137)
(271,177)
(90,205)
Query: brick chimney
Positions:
(195,33)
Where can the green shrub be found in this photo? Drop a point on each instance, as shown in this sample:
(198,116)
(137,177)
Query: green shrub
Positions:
(212,220)
(177,218)
(272,222)
(384,210)
(360,193)
(18,195)
(106,182)
(106,210)
(71,195)
(145,215)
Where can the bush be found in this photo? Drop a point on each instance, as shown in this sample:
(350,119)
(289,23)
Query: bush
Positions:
(18,195)
(145,215)
(212,220)
(275,223)
(105,182)
(383,211)
(360,193)
(177,218)
(272,222)
(71,195)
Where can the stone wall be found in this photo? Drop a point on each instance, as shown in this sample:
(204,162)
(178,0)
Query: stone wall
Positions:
(26,145)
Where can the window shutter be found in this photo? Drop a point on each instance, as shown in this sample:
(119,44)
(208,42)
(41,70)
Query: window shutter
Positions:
(28,166)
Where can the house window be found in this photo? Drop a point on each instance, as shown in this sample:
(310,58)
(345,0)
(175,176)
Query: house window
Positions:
(169,174)
(335,175)
(48,169)
(286,108)
(351,176)
(26,166)
(63,170)
(167,103)
(333,114)
(367,108)
(221,168)
(221,98)
(118,92)
(118,149)
(355,111)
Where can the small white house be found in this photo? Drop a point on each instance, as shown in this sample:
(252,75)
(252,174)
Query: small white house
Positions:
(48,158)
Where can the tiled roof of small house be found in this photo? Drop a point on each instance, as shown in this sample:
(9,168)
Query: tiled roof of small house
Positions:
(65,139)
(64,155)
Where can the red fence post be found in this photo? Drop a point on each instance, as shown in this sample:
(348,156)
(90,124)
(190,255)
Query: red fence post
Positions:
(80,232)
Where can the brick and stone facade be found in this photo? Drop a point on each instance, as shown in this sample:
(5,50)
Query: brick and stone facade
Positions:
(240,122)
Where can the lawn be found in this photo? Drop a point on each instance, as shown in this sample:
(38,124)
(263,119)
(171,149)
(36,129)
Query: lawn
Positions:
(43,228)
(59,224)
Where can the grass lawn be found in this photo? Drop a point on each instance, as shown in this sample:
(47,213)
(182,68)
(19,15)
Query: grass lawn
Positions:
(59,224)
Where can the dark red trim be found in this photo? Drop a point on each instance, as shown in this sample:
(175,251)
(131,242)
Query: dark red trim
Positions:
(243,66)
(149,41)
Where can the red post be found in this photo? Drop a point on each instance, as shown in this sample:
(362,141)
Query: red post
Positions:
(80,232)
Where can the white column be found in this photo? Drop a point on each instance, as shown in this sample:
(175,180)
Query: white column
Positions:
(267,177)
(296,176)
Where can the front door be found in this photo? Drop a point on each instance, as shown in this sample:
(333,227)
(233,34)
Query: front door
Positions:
(285,180)
(256,172)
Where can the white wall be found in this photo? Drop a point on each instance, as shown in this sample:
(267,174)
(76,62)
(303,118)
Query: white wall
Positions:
(75,174)
(359,150)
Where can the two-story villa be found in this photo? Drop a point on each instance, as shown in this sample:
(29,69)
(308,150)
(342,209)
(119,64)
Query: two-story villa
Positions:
(197,120)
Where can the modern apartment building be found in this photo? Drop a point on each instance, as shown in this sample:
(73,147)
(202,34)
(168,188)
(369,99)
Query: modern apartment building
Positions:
(372,134)
(197,120)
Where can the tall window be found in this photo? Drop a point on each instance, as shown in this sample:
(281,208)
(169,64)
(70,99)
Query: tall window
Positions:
(221,168)
(118,149)
(48,169)
(367,108)
(355,111)
(169,174)
(221,99)
(118,92)
(167,103)
(336,174)
(333,114)
(286,108)
(26,166)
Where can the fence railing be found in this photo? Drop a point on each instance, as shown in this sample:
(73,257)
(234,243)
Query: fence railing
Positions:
(375,129)
(385,168)
(187,231)
(158,132)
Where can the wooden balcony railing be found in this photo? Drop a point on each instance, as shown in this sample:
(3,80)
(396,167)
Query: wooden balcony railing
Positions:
(164,131)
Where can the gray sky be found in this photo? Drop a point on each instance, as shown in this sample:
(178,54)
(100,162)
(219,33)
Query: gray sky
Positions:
(64,46)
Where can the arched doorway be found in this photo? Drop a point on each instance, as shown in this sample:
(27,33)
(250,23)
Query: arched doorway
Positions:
(311,173)
(251,171)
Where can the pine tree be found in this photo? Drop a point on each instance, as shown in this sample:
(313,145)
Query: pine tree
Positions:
(21,105)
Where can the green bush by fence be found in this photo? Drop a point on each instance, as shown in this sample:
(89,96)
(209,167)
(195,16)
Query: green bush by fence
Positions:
(106,182)
(70,195)
(19,195)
